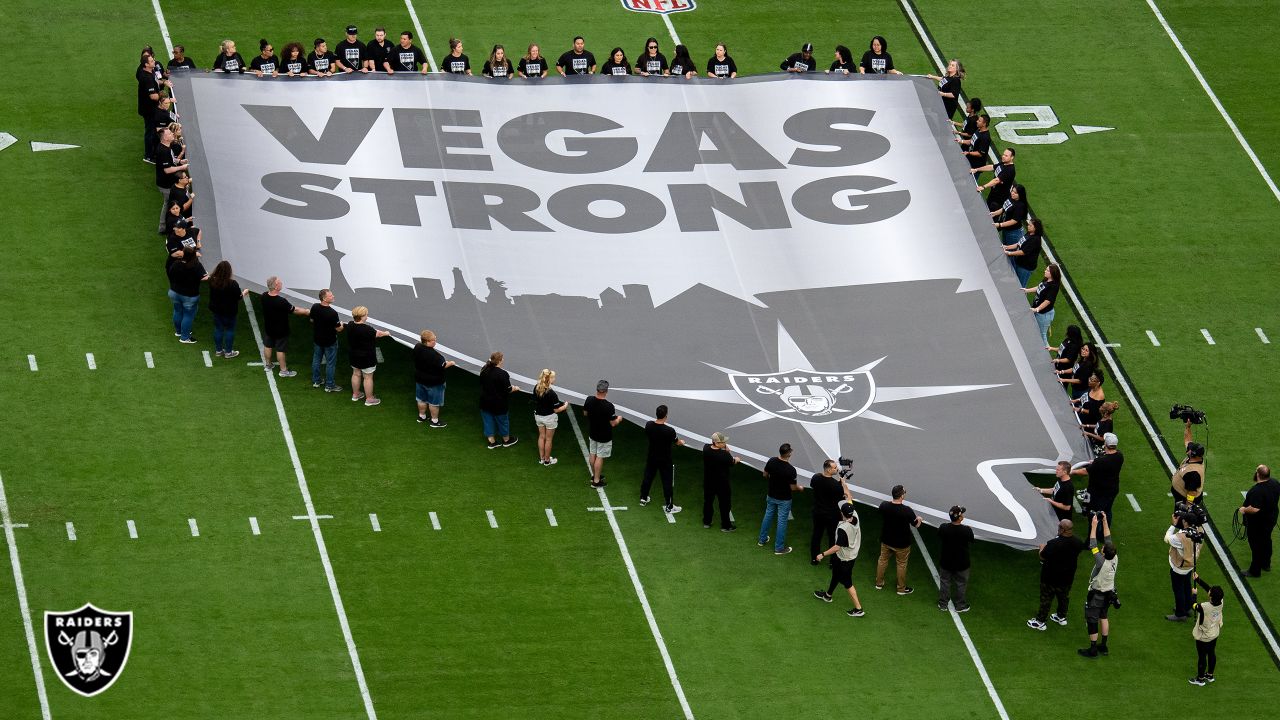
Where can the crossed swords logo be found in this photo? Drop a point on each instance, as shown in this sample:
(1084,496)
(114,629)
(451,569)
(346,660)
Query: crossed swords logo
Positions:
(816,405)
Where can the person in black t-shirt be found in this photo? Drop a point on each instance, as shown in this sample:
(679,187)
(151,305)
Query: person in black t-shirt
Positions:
(323,62)
(406,57)
(498,66)
(352,52)
(293,62)
(651,61)
(1024,255)
(829,493)
(877,60)
(533,65)
(1260,510)
(1046,295)
(781,477)
(601,420)
(578,61)
(1063,493)
(801,62)
(682,65)
(180,59)
(843,62)
(1104,476)
(1004,176)
(1009,218)
(846,543)
(616,64)
(495,402)
(167,169)
(949,87)
(325,326)
(954,540)
(224,302)
(148,101)
(661,439)
(717,463)
(455,63)
(379,51)
(1058,559)
(174,215)
(185,277)
(275,326)
(895,538)
(428,375)
(265,63)
(976,145)
(546,405)
(720,65)
(228,59)
(182,237)
(362,349)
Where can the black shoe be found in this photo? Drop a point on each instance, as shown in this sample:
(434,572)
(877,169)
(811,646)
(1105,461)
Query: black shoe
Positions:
(731,528)
(1208,677)
(510,441)
(599,485)
(1088,652)
(1197,681)
(421,419)
(822,595)
(906,591)
(437,424)
(855,612)
(1252,573)
(494,445)
(1102,650)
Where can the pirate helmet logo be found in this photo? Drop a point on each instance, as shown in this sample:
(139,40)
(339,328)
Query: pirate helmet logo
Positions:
(88,647)
(808,396)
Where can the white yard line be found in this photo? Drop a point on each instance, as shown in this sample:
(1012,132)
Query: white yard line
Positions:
(435,520)
(1214,99)
(1262,336)
(164,27)
(373,520)
(666,19)
(195,529)
(133,529)
(93,364)
(208,361)
(253,526)
(151,361)
(23,607)
(635,578)
(312,516)
(1152,337)
(1207,337)
(31,362)
(71,531)
(493,521)
(551,518)
(1134,502)
(422,36)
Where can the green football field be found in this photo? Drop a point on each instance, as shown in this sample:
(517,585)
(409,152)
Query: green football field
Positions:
(289,554)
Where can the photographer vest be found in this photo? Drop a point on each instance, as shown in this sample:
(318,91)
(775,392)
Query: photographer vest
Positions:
(1180,488)
(1208,621)
(1104,580)
(854,533)
(1182,557)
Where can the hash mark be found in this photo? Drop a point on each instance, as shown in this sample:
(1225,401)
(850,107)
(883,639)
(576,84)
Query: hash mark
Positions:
(31,361)
(253,526)
(1207,337)
(1153,339)
(151,362)
(493,521)
(551,518)
(208,361)
(195,529)
(71,532)
(93,364)
(435,521)
(1261,336)
(133,530)
(373,520)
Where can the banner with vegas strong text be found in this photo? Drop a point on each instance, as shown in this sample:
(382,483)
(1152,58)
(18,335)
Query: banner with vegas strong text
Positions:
(796,260)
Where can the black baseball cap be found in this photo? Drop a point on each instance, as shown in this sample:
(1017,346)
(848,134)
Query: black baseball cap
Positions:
(352,30)
(807,47)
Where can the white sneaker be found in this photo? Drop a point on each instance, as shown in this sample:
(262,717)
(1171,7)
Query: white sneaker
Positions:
(672,509)
(1035,624)
(288,373)
(1058,619)
(644,501)
(552,461)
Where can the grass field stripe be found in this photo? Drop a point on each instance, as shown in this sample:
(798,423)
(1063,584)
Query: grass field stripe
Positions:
(1207,337)
(305,491)
(1152,337)
(23,607)
(422,36)
(195,528)
(551,518)
(1214,99)
(1134,502)
(71,531)
(635,577)
(133,529)
(208,361)
(493,521)
(31,362)
(1261,336)
(253,526)
(964,632)
(435,520)
(164,27)
(373,521)
(151,362)
(93,364)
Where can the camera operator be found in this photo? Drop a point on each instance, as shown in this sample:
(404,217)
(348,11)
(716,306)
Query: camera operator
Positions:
(1102,588)
(1183,537)
(1104,475)
(1260,512)
(829,494)
(1187,484)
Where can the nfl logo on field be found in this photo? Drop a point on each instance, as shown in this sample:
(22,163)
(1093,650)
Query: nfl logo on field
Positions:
(663,7)
(88,647)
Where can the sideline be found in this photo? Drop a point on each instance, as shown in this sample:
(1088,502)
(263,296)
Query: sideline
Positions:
(23,607)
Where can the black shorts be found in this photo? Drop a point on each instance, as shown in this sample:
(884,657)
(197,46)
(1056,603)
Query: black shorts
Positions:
(842,571)
(277,344)
(1097,606)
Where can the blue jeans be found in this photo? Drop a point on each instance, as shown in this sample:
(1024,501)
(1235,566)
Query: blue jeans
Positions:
(330,355)
(224,332)
(1043,320)
(496,426)
(1013,235)
(781,509)
(1023,274)
(184,313)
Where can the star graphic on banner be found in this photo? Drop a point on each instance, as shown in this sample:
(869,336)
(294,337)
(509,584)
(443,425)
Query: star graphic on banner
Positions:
(826,434)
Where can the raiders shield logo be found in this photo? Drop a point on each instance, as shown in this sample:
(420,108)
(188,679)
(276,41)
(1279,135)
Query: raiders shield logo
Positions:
(808,396)
(88,647)
(664,7)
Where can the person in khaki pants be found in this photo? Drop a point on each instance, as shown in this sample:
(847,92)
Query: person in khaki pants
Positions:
(895,538)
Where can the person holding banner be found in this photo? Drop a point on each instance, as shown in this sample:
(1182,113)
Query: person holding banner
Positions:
(843,62)
(721,65)
(877,60)
(362,349)
(266,63)
(379,51)
(352,52)
(532,65)
(498,66)
(801,62)
(651,62)
(407,57)
(228,59)
(616,64)
(578,61)
(682,64)
(456,62)
(294,62)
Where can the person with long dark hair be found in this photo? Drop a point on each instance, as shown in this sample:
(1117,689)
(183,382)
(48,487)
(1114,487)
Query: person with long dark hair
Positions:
(1088,406)
(1024,255)
(224,302)
(495,402)
(652,61)
(498,65)
(877,60)
(843,62)
(293,62)
(1076,378)
(682,65)
(1010,216)
(1046,293)
(721,65)
(616,64)
(1069,349)
(185,277)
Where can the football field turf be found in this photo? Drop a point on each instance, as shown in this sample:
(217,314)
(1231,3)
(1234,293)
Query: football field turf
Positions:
(564,609)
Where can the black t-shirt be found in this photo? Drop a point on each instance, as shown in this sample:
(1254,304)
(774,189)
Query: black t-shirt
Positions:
(717,463)
(322,63)
(682,66)
(1005,173)
(897,521)
(229,63)
(458,65)
(297,66)
(652,64)
(185,279)
(325,322)
(1013,210)
(797,61)
(781,476)
(722,68)
(1064,491)
(577,64)
(874,64)
(1047,290)
(180,196)
(950,84)
(352,54)
(428,366)
(186,62)
(164,159)
(225,301)
(266,66)
(979,142)
(147,86)
(381,53)
(275,316)
(1059,557)
(661,438)
(495,390)
(1266,497)
(599,414)
(954,541)
(362,345)
(1030,257)
(407,60)
(828,493)
(1104,477)
(837,66)
(174,243)
(532,68)
(501,70)
(612,68)
(546,403)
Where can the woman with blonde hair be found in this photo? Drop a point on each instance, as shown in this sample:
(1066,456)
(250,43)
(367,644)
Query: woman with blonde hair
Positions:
(228,59)
(362,346)
(546,403)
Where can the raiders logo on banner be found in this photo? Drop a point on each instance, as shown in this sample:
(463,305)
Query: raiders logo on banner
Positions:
(664,7)
(88,647)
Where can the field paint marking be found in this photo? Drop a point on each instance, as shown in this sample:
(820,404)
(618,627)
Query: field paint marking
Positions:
(1207,337)
(71,531)
(435,521)
(422,36)
(1111,345)
(789,516)
(1261,336)
(208,361)
(373,520)
(551,518)
(1134,502)
(253,526)
(671,28)
(493,521)
(731,520)
(1075,503)
(37,146)
(1088,129)
(133,529)
(670,517)
(93,364)
(607,509)
(195,529)
(1152,336)
(378,351)
(164,27)
(311,515)
(23,608)
(31,362)
(1243,493)
(151,362)
(1214,98)
(254,364)
(635,577)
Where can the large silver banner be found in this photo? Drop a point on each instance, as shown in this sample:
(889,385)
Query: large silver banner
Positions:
(798,259)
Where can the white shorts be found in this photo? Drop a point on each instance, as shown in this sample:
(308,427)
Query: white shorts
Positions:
(599,449)
(366,371)
(550,422)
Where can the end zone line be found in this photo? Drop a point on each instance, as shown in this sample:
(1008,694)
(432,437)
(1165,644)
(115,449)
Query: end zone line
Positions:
(422,36)
(23,607)
(635,578)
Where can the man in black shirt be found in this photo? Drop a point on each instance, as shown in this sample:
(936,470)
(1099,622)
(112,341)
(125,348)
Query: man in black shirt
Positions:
(379,51)
(897,519)
(1004,177)
(322,62)
(167,169)
(1061,496)
(658,460)
(801,62)
(577,61)
(325,326)
(275,326)
(1104,475)
(1057,572)
(829,493)
(953,560)
(352,52)
(601,420)
(977,146)
(717,463)
(1260,510)
(428,375)
(405,58)
(148,101)
(781,477)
